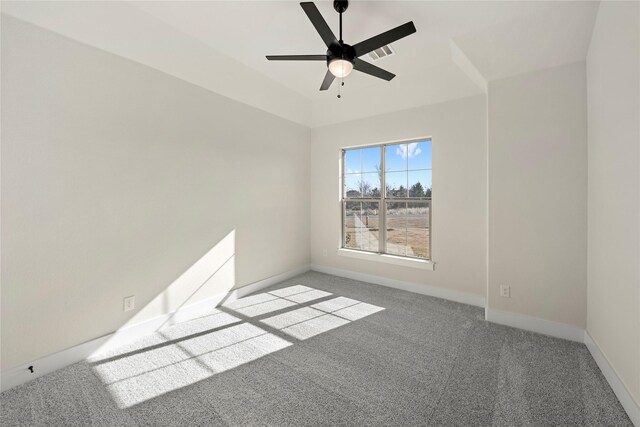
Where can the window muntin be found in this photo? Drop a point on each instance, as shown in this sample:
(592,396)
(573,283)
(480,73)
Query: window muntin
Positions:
(403,170)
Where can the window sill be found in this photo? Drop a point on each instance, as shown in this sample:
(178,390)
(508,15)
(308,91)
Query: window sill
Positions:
(388,259)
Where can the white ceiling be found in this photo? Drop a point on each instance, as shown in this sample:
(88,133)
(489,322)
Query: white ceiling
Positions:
(545,38)
(222,45)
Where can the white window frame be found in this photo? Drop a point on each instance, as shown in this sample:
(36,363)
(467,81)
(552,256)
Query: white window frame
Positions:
(381,253)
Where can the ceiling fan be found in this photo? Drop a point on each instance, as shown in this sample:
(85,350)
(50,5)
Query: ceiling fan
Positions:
(342,58)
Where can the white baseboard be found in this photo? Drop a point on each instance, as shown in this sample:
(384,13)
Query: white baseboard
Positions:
(619,388)
(416,288)
(265,283)
(20,374)
(535,324)
(542,326)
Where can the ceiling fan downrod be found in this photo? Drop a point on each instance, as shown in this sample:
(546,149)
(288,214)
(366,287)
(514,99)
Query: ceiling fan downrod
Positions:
(340,6)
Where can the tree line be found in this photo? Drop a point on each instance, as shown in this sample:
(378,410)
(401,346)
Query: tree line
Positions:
(364,190)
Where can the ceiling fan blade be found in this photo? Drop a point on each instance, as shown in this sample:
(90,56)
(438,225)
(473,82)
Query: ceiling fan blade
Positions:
(318,21)
(385,38)
(297,57)
(328,79)
(365,67)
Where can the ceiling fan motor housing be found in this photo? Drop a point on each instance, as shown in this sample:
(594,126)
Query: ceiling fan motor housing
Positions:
(341,51)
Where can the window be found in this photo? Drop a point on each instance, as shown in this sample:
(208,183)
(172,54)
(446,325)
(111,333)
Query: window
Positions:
(386,199)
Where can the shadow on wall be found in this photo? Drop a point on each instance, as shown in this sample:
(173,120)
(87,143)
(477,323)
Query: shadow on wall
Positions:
(184,353)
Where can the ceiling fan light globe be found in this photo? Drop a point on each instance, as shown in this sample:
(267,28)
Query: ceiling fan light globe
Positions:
(340,68)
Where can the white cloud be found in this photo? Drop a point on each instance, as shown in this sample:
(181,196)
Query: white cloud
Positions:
(408,150)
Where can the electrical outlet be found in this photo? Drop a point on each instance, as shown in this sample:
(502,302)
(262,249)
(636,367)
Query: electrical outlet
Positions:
(505,291)
(129,303)
(324,252)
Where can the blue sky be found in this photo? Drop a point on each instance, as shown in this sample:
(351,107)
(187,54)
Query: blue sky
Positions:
(363,160)
(399,157)
(416,155)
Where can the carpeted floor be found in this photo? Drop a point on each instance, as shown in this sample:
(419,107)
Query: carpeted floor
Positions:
(323,350)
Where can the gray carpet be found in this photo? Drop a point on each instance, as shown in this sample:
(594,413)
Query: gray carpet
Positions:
(323,350)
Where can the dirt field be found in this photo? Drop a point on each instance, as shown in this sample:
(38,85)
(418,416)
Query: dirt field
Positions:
(406,234)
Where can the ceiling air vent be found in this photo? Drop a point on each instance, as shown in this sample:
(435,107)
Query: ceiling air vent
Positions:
(382,52)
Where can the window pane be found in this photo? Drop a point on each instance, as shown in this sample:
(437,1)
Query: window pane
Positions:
(361,225)
(418,232)
(362,185)
(371,159)
(352,161)
(396,184)
(420,183)
(352,185)
(395,157)
(362,160)
(408,230)
(370,185)
(419,155)
(396,243)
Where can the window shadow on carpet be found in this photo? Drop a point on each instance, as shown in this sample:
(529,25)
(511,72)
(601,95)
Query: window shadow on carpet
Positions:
(232,335)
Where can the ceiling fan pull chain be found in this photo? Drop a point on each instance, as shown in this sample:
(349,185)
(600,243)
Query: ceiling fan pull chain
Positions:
(341,78)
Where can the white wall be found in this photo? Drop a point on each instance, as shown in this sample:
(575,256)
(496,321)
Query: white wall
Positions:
(127,30)
(538,194)
(459,191)
(117,178)
(613,75)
